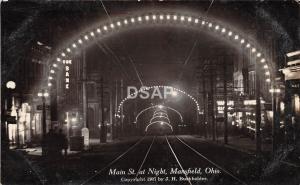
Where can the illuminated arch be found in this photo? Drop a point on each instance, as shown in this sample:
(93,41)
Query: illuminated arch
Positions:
(160,114)
(160,117)
(158,86)
(155,106)
(116,25)
(159,111)
(161,122)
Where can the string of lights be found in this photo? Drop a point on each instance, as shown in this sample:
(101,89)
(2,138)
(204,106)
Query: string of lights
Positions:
(152,18)
(159,110)
(156,112)
(174,93)
(160,117)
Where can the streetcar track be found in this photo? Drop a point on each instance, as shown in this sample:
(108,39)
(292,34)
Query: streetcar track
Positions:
(218,166)
(145,156)
(113,161)
(178,161)
(174,154)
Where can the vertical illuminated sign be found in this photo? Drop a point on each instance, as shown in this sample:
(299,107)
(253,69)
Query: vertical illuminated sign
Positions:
(67,64)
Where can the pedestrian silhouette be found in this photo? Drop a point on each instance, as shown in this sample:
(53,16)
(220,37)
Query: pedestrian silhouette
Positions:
(53,144)
(62,142)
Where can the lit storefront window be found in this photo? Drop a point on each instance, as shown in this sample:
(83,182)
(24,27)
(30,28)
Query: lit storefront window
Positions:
(282,107)
(221,105)
(297,104)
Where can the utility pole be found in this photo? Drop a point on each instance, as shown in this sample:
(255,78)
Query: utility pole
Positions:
(30,123)
(134,116)
(122,116)
(257,111)
(204,104)
(212,104)
(116,124)
(43,121)
(276,123)
(288,113)
(53,105)
(18,128)
(257,97)
(103,127)
(84,94)
(225,105)
(111,109)
(197,118)
(85,105)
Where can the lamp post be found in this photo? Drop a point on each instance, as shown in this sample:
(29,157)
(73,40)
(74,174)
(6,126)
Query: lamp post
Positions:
(43,95)
(10,85)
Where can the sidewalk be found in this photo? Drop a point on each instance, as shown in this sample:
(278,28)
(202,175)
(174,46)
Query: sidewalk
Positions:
(37,151)
(240,143)
(247,145)
(96,141)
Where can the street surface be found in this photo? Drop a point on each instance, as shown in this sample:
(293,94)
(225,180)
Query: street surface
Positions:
(146,160)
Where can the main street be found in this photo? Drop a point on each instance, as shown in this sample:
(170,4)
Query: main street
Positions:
(152,160)
(150,92)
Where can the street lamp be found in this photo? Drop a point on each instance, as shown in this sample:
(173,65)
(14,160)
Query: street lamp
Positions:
(10,85)
(43,95)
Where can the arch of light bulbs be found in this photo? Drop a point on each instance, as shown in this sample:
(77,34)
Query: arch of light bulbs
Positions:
(158,111)
(160,114)
(159,117)
(161,110)
(157,86)
(161,122)
(162,18)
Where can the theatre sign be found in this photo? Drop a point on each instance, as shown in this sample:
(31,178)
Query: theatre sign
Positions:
(67,64)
